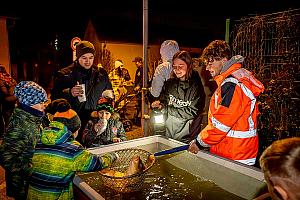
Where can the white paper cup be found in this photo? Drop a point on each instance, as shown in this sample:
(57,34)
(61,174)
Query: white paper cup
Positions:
(82,98)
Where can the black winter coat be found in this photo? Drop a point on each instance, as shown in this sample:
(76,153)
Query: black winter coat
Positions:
(95,80)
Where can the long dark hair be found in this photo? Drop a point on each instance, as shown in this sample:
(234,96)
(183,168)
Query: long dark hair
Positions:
(184,56)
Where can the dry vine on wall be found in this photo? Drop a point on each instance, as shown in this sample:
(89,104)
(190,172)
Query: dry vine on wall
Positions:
(271,47)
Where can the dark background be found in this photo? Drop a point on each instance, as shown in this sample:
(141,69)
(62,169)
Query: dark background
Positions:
(122,20)
(34,26)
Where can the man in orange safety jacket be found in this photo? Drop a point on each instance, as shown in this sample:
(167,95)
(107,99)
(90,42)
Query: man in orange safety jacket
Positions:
(233,111)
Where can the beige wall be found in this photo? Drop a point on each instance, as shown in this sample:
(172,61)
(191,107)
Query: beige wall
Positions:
(127,52)
(4,45)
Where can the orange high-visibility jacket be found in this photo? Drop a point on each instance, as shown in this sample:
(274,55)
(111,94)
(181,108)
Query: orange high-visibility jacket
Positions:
(233,111)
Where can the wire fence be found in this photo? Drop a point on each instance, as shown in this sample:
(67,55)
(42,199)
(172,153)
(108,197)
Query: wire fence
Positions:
(271,47)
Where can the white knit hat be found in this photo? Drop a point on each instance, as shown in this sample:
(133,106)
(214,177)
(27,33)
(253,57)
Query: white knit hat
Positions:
(118,63)
(168,49)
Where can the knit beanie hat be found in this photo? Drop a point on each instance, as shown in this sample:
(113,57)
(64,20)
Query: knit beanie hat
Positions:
(67,116)
(52,107)
(84,47)
(106,101)
(118,63)
(168,49)
(30,93)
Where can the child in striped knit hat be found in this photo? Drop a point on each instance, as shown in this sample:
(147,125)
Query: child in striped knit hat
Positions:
(59,156)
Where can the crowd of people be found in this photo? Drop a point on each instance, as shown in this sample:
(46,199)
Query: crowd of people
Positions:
(42,136)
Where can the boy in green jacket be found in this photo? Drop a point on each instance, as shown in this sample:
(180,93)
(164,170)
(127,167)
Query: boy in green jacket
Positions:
(58,157)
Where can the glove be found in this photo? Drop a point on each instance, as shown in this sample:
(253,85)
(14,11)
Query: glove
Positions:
(108,158)
(114,156)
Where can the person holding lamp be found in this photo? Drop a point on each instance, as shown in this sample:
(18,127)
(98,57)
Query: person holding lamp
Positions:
(182,97)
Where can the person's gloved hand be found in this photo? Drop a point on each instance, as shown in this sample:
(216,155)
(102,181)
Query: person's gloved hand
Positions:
(108,158)
(114,156)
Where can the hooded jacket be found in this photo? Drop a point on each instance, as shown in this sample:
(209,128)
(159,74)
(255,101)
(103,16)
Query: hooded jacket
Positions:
(56,159)
(17,149)
(232,127)
(163,71)
(114,129)
(182,101)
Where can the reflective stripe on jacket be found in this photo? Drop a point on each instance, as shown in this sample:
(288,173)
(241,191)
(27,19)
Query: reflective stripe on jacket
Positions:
(233,111)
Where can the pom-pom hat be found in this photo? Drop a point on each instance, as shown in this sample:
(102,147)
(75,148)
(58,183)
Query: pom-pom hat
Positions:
(30,93)
(67,116)
(84,47)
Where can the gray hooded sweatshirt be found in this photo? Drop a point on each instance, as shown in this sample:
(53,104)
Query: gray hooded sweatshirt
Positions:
(163,71)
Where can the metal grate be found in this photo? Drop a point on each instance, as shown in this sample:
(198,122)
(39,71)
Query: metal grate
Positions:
(271,47)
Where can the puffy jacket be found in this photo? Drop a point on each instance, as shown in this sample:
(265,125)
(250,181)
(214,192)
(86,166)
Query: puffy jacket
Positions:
(56,160)
(114,129)
(17,149)
(232,127)
(95,80)
(161,75)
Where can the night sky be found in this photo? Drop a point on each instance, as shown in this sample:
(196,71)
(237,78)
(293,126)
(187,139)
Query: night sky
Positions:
(36,25)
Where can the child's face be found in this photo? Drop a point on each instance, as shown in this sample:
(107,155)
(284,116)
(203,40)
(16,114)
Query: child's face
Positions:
(104,114)
(39,107)
(75,134)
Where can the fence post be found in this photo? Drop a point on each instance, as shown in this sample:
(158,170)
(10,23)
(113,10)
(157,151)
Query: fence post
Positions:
(227,30)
